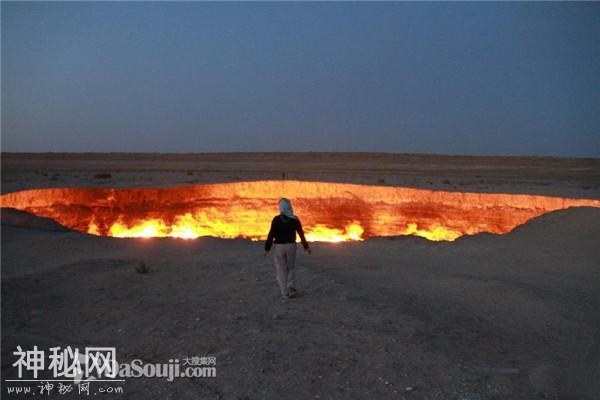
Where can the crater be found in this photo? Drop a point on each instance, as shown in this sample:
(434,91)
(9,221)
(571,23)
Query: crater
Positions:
(330,212)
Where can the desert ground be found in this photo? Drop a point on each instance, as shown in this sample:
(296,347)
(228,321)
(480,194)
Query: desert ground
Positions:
(510,316)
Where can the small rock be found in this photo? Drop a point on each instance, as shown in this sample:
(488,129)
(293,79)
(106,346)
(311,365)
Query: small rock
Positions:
(141,268)
(276,316)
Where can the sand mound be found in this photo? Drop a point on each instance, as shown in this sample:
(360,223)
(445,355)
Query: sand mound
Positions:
(21,219)
(570,222)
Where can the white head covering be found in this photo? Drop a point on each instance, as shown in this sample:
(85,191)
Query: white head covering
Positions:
(285,208)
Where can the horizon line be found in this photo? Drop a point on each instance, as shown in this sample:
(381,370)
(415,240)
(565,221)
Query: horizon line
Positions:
(417,154)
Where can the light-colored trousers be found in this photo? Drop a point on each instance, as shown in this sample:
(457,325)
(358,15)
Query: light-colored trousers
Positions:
(285,262)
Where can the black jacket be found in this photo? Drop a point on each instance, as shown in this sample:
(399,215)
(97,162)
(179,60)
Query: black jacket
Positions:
(283,230)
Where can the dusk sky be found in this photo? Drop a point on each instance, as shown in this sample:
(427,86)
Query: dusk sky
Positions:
(449,78)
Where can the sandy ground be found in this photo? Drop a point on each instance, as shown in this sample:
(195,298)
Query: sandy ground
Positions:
(547,176)
(485,317)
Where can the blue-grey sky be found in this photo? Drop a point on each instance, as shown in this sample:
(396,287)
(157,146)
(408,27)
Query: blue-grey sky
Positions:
(454,78)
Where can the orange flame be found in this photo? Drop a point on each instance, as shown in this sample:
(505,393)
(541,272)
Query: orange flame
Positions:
(331,212)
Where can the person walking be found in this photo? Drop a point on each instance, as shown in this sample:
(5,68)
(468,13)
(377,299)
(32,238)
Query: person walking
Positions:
(283,233)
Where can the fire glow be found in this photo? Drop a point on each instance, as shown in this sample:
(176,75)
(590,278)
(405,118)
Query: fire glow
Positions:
(330,212)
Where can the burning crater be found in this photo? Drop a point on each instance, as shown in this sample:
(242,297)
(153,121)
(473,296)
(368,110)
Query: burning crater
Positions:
(331,212)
